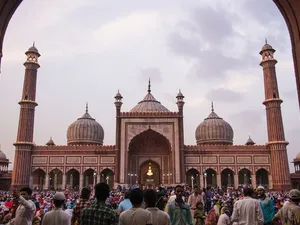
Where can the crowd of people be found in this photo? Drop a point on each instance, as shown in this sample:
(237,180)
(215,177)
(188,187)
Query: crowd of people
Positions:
(180,205)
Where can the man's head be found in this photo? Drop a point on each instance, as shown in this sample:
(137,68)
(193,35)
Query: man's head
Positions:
(260,191)
(294,195)
(248,192)
(59,199)
(85,193)
(26,192)
(127,194)
(136,197)
(150,198)
(101,191)
(179,192)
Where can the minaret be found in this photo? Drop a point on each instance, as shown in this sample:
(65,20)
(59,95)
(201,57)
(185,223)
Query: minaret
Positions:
(118,104)
(21,171)
(276,140)
(180,104)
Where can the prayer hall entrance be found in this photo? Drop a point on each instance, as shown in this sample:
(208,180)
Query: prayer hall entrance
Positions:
(149,159)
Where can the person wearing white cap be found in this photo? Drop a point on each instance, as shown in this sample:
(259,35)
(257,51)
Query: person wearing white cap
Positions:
(57,216)
(267,205)
(289,214)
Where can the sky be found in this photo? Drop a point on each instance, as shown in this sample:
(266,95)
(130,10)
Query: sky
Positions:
(91,49)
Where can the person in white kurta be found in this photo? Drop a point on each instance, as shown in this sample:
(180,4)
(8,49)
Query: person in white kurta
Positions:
(247,211)
(26,209)
(159,217)
(57,216)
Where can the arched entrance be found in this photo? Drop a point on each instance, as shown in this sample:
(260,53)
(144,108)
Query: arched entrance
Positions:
(55,179)
(227,178)
(262,177)
(38,179)
(210,178)
(147,145)
(244,176)
(89,178)
(192,177)
(73,179)
(107,176)
(150,180)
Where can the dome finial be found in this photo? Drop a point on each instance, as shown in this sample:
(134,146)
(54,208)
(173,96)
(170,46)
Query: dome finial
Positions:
(266,41)
(33,44)
(212,107)
(87,107)
(149,86)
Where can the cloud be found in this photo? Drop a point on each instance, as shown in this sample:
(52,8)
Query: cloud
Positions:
(151,73)
(250,122)
(224,95)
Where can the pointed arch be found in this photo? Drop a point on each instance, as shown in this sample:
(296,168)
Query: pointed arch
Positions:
(192,177)
(38,178)
(107,176)
(227,178)
(244,176)
(149,142)
(210,177)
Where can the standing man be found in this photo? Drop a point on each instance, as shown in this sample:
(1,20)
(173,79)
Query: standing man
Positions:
(159,217)
(57,215)
(267,205)
(178,210)
(289,214)
(26,209)
(193,199)
(136,215)
(125,204)
(99,213)
(83,202)
(247,211)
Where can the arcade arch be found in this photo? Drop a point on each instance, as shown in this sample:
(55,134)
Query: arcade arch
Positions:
(210,178)
(227,178)
(262,177)
(244,176)
(107,176)
(38,178)
(55,179)
(192,177)
(73,177)
(89,178)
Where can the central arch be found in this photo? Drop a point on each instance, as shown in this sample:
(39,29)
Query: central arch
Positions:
(149,146)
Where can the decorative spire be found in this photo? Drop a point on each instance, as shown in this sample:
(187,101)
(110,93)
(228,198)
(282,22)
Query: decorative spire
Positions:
(87,107)
(33,44)
(212,107)
(149,86)
(250,141)
(266,41)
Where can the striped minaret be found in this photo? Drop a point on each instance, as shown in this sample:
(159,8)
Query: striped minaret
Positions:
(24,143)
(276,139)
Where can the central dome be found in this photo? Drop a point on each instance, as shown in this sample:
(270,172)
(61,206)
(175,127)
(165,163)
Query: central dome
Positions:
(85,130)
(149,104)
(214,130)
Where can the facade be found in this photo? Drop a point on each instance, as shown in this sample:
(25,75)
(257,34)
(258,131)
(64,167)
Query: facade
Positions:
(149,147)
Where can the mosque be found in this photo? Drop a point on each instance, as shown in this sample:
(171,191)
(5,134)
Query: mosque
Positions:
(149,148)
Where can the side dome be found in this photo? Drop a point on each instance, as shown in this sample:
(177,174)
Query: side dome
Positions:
(149,104)
(2,156)
(214,130)
(85,130)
